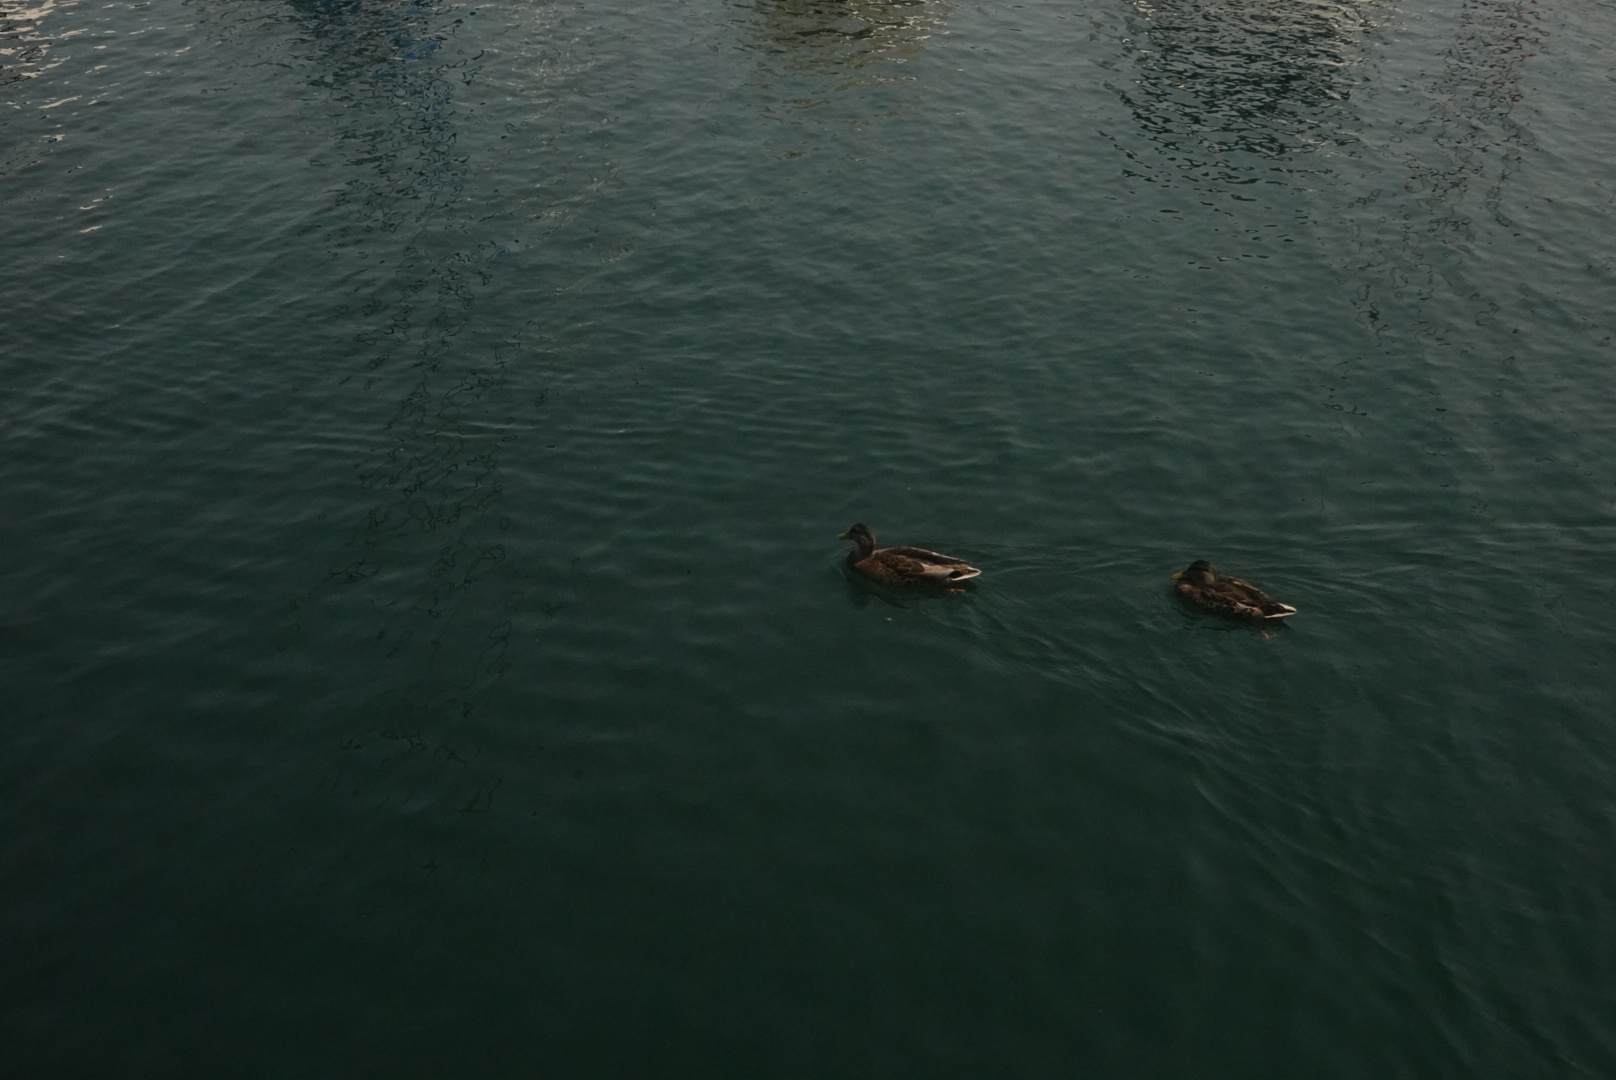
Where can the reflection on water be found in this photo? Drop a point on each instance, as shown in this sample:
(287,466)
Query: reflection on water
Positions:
(1480,84)
(855,42)
(378,60)
(426,530)
(28,50)
(24,45)
(1418,286)
(1468,148)
(1215,81)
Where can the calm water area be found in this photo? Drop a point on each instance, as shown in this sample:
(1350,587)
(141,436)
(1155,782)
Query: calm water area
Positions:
(428,652)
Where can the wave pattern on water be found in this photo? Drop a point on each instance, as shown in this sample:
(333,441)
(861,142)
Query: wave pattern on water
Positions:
(429,425)
(1229,94)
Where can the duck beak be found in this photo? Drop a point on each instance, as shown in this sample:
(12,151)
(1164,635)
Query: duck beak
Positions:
(843,536)
(1178,575)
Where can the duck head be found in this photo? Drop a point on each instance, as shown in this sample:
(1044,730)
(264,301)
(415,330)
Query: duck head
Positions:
(1199,572)
(861,535)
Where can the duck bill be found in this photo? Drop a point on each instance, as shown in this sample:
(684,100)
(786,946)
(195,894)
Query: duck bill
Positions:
(1178,575)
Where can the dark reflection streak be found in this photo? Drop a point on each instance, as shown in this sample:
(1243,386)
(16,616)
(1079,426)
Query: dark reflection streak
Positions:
(1470,138)
(1479,87)
(1224,90)
(429,540)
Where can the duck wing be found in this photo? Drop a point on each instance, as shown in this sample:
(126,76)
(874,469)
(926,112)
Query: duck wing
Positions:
(918,564)
(1250,600)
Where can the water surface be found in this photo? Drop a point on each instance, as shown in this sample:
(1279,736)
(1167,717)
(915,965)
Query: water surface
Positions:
(427,646)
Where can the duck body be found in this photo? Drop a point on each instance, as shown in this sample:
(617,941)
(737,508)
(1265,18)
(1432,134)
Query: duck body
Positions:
(1205,587)
(903,565)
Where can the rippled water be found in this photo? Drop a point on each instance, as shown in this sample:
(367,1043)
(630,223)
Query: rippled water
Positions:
(427,650)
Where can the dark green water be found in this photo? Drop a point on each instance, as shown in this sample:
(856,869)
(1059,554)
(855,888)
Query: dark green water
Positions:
(426,647)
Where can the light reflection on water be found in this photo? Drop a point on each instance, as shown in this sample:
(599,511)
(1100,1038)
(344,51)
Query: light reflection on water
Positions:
(25,44)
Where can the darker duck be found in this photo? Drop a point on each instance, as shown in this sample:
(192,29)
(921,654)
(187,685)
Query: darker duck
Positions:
(1204,586)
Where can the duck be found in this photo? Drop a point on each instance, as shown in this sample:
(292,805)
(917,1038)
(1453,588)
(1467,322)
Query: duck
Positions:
(1201,584)
(903,565)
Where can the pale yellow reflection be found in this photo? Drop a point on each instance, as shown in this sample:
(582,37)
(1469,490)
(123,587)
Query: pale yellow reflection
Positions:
(856,41)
